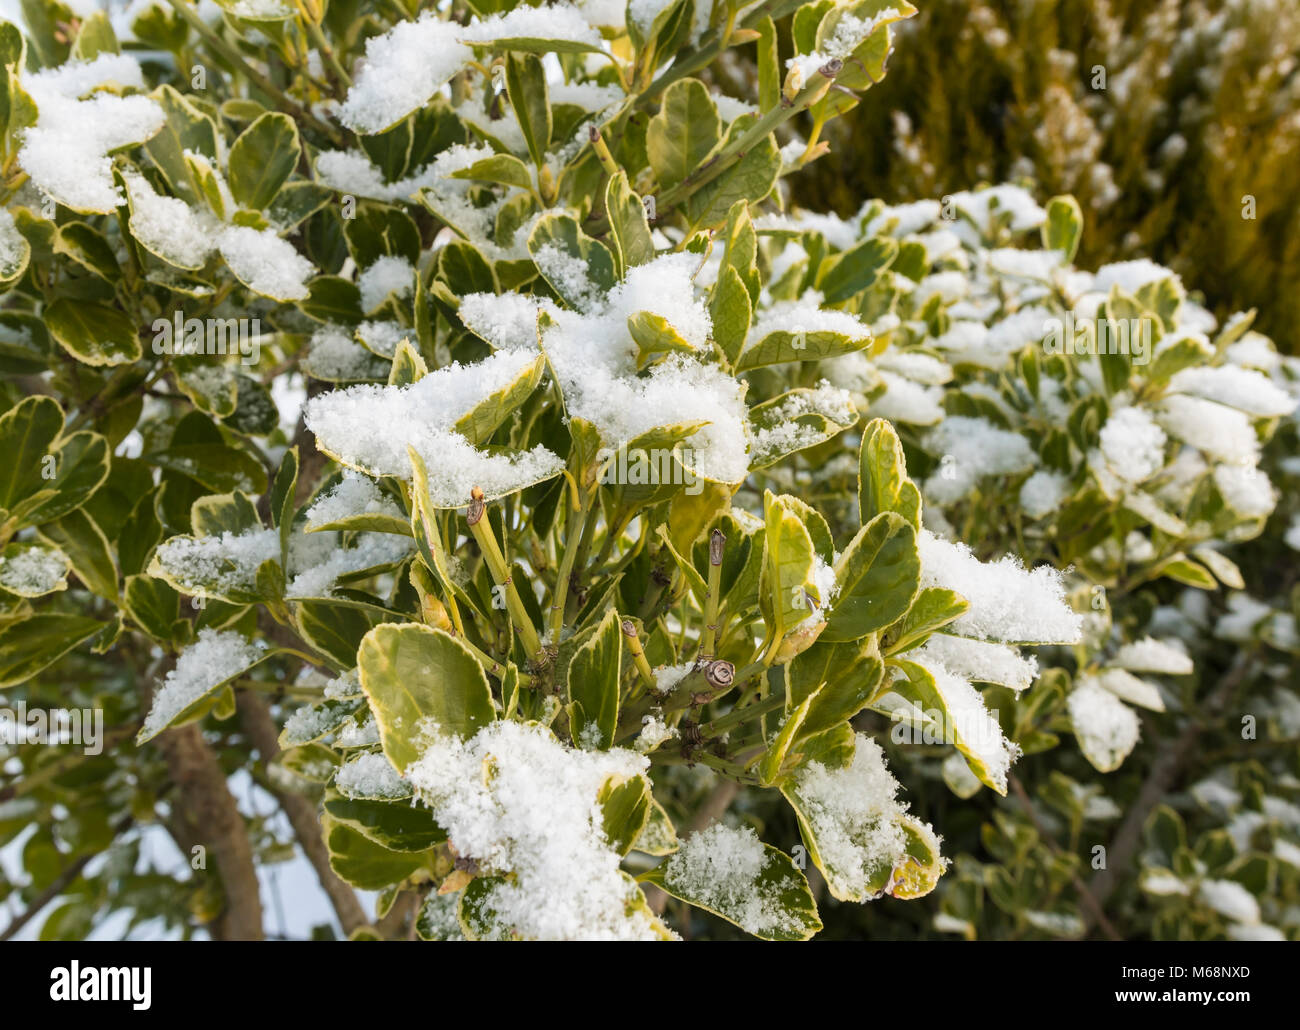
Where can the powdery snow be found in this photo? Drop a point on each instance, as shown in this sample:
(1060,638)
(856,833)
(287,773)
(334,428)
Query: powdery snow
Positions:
(66,151)
(215,657)
(537,818)
(370,427)
(720,868)
(1007,602)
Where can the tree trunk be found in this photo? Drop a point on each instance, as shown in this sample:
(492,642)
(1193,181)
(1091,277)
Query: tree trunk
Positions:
(261,729)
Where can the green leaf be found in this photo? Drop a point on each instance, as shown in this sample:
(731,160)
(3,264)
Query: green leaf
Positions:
(625,804)
(27,431)
(93,333)
(505,169)
(654,336)
(921,689)
(79,537)
(393,825)
(776,905)
(219,468)
(28,646)
(1183,570)
(186,128)
(787,568)
(95,37)
(682,135)
(154,606)
(411,673)
(658,836)
(882,476)
(282,500)
(81,464)
(526,86)
(749,180)
(840,679)
(628,226)
(879,574)
(13,263)
(25,346)
(479,423)
(784,345)
(262,158)
(732,312)
(331,299)
(932,608)
(593,684)
(1064,226)
(1184,353)
(197,703)
(848,274)
(358,860)
(381,231)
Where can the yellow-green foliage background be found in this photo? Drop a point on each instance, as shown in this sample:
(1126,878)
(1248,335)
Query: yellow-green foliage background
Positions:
(984,92)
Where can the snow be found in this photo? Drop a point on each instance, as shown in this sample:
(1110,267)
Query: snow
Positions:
(908,401)
(721,869)
(1152,655)
(1240,388)
(1218,431)
(265,263)
(222,563)
(389,274)
(167,226)
(1127,687)
(12,244)
(371,775)
(558,21)
(351,172)
(369,550)
(353,495)
(1131,276)
(590,96)
(1105,726)
(536,817)
(335,356)
(643,13)
(1229,898)
(370,427)
(215,657)
(1246,490)
(907,218)
(403,69)
(805,316)
(982,206)
(33,571)
(670,675)
(1132,444)
(66,151)
(654,732)
(840,233)
(1243,616)
(507,321)
(1043,493)
(970,721)
(1007,602)
(382,338)
(853,815)
(978,660)
(972,449)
